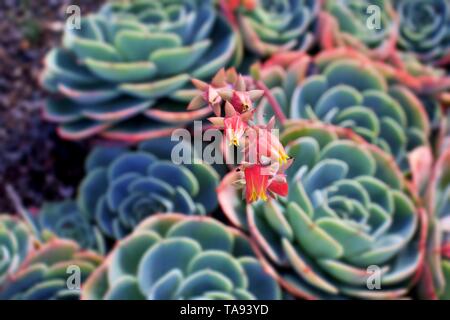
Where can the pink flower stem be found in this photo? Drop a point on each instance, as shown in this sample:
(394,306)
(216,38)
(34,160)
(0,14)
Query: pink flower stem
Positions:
(228,12)
(272,101)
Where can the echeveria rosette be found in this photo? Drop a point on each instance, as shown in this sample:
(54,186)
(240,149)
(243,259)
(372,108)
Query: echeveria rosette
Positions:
(430,84)
(345,23)
(65,220)
(425,29)
(122,187)
(174,256)
(16,242)
(351,92)
(436,281)
(125,74)
(44,273)
(347,209)
(272,26)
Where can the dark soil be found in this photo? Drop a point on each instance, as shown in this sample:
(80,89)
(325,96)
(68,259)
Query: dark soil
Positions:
(33,159)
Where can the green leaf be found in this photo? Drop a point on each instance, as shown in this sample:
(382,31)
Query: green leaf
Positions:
(122,71)
(221,262)
(167,255)
(138,46)
(177,60)
(211,235)
(314,240)
(155,89)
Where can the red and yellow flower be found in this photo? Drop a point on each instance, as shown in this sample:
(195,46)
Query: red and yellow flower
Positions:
(260,183)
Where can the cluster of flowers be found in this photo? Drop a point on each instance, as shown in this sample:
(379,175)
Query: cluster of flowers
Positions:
(265,160)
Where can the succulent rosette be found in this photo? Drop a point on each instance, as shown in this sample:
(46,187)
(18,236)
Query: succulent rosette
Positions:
(425,29)
(45,273)
(174,256)
(347,90)
(271,26)
(65,220)
(428,82)
(436,281)
(16,241)
(125,73)
(369,26)
(122,186)
(347,216)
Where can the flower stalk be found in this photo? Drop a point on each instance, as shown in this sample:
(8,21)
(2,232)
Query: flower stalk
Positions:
(272,101)
(232,102)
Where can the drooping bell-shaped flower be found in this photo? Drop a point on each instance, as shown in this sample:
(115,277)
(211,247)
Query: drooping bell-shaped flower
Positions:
(263,143)
(278,185)
(264,182)
(241,101)
(256,183)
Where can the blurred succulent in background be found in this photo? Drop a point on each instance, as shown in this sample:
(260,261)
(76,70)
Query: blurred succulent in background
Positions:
(351,92)
(271,26)
(425,29)
(125,73)
(16,242)
(345,213)
(44,273)
(429,84)
(366,25)
(436,281)
(65,220)
(123,187)
(173,256)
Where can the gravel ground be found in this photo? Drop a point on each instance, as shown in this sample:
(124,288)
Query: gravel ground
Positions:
(37,163)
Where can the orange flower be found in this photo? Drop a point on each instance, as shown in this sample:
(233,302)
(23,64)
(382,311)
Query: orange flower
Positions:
(259,183)
(256,183)
(278,185)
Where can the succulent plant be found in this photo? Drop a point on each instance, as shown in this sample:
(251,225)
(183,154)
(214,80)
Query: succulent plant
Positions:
(123,187)
(16,242)
(125,73)
(366,25)
(46,273)
(272,26)
(65,220)
(174,256)
(436,281)
(347,216)
(426,81)
(425,29)
(351,92)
